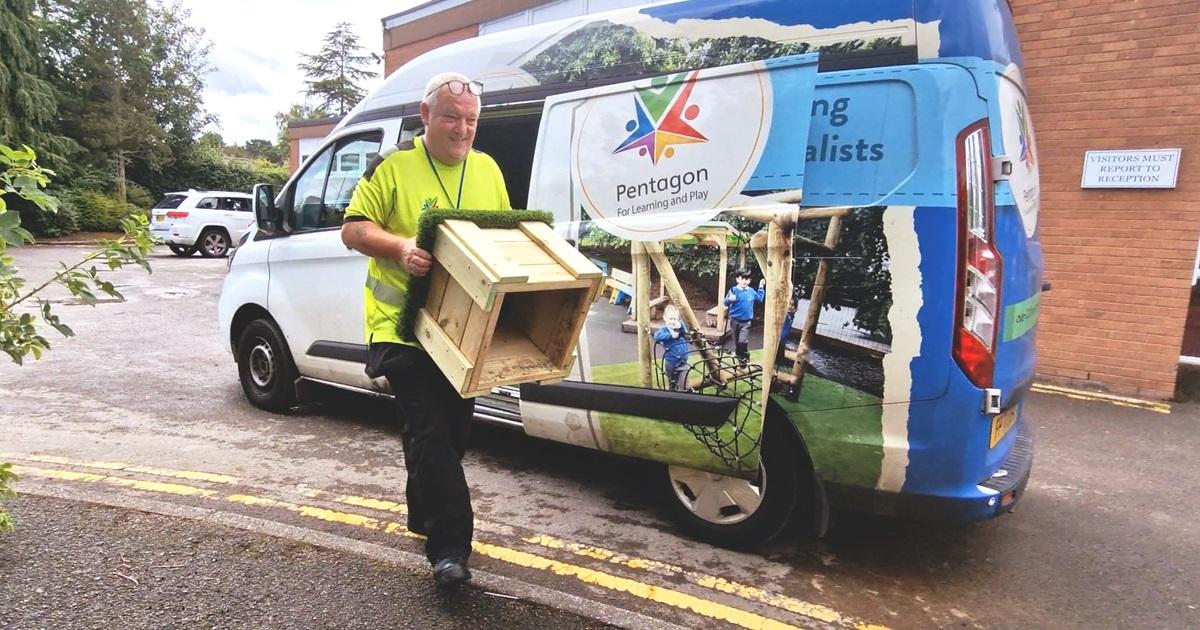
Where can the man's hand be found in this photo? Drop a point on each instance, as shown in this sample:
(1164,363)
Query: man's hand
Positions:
(416,260)
(762,283)
(372,240)
(731,297)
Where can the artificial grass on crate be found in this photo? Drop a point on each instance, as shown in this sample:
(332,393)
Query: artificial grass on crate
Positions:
(418,288)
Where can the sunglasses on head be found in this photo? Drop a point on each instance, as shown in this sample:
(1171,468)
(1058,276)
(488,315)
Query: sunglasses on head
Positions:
(457,87)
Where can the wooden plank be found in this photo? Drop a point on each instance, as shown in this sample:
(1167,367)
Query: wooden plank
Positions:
(506,235)
(778,294)
(724,270)
(562,347)
(810,245)
(490,327)
(438,279)
(449,360)
(478,281)
(641,283)
(474,333)
(553,272)
(511,343)
(480,245)
(549,286)
(833,234)
(532,314)
(456,307)
(521,367)
(569,257)
(526,253)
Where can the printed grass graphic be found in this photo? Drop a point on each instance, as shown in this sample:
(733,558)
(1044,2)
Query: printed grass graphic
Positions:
(827,414)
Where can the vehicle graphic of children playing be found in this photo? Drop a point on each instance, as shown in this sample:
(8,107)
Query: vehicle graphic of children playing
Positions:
(740,301)
(673,337)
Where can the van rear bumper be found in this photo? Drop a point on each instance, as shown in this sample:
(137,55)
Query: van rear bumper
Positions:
(987,500)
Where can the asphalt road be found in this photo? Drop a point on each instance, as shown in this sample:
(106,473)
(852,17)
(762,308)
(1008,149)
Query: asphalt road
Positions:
(146,397)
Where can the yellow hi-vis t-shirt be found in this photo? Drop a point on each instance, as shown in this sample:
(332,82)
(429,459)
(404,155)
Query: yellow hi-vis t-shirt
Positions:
(393,197)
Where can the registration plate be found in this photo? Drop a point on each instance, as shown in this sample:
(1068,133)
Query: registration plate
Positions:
(1001,425)
(160,218)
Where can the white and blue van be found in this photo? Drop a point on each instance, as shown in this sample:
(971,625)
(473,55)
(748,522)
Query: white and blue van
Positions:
(895,137)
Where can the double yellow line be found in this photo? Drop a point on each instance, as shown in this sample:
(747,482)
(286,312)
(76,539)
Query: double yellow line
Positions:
(1121,401)
(593,577)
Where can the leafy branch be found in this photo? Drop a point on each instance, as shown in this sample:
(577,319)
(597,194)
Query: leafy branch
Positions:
(7,476)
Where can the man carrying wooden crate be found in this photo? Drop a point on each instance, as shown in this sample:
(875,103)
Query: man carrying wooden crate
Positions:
(436,170)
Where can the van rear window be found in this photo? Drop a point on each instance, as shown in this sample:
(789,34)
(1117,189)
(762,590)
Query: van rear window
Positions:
(171,201)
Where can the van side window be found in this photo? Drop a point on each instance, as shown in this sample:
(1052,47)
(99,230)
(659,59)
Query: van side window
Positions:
(352,163)
(324,190)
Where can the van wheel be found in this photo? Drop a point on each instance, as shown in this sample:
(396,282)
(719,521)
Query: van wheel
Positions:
(265,367)
(182,250)
(213,243)
(733,512)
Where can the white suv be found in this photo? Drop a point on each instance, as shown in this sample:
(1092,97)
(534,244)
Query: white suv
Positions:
(211,221)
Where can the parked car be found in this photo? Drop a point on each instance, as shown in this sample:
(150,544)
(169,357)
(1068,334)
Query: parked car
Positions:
(210,221)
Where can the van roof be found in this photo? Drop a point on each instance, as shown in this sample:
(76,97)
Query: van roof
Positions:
(530,63)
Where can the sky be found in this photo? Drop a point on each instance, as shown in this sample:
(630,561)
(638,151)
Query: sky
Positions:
(255,46)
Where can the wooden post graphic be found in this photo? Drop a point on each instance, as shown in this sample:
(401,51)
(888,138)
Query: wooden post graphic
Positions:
(817,299)
(721,273)
(641,286)
(667,273)
(778,273)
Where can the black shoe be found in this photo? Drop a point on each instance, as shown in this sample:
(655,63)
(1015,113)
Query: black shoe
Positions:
(450,572)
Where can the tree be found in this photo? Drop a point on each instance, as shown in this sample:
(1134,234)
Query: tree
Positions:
(260,149)
(298,111)
(335,71)
(129,76)
(20,176)
(28,103)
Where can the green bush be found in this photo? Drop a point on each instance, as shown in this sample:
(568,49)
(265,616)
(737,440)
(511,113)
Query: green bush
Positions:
(45,223)
(205,168)
(97,211)
(139,196)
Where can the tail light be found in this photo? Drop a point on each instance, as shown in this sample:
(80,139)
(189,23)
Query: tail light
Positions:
(980,269)
(176,214)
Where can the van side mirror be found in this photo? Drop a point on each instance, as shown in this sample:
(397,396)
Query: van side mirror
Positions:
(265,212)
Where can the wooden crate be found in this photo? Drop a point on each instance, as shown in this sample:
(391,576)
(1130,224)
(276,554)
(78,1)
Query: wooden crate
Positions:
(505,306)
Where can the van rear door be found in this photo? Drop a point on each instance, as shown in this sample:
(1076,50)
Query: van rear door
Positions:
(654,161)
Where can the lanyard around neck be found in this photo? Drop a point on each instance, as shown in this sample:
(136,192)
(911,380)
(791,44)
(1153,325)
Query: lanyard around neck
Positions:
(461,176)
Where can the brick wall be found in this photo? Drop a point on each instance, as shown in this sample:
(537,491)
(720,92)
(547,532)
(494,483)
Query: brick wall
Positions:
(395,57)
(1108,74)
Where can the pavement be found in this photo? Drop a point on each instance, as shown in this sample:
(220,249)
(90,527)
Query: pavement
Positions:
(140,417)
(77,564)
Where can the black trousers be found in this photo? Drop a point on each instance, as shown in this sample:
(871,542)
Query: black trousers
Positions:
(435,426)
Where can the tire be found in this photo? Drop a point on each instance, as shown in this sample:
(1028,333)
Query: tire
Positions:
(182,250)
(701,502)
(265,367)
(213,243)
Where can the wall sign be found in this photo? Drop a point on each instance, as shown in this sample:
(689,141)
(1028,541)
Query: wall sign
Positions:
(1149,168)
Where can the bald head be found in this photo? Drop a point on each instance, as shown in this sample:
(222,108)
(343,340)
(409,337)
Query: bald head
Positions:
(450,111)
